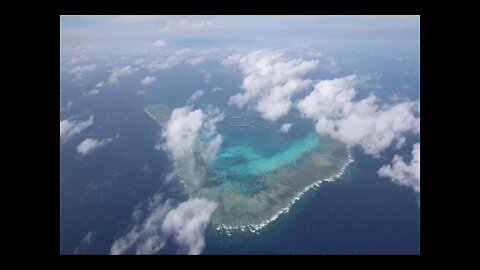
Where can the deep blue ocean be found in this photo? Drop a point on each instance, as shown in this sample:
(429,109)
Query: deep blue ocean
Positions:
(360,213)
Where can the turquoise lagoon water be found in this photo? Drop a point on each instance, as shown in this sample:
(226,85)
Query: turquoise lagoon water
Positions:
(256,164)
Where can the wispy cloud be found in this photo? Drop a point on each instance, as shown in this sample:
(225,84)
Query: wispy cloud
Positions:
(146,236)
(184,25)
(185,55)
(67,107)
(196,95)
(170,176)
(168,62)
(200,55)
(84,243)
(212,142)
(160,44)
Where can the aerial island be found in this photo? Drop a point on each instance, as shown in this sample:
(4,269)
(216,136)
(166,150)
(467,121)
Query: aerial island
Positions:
(252,190)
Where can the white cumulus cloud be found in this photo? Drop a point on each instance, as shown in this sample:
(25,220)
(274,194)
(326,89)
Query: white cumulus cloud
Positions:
(286,127)
(69,128)
(181,131)
(402,173)
(148,80)
(88,145)
(189,131)
(270,81)
(361,122)
(187,223)
(160,221)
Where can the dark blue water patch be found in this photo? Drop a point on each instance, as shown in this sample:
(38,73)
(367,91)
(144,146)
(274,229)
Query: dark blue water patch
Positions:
(100,190)
(173,87)
(100,193)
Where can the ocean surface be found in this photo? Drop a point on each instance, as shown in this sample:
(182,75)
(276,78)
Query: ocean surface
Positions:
(357,214)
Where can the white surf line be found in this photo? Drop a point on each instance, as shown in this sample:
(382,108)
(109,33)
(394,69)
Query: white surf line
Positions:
(151,115)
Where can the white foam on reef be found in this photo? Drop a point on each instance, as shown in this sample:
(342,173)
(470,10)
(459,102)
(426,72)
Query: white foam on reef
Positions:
(151,115)
(255,228)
